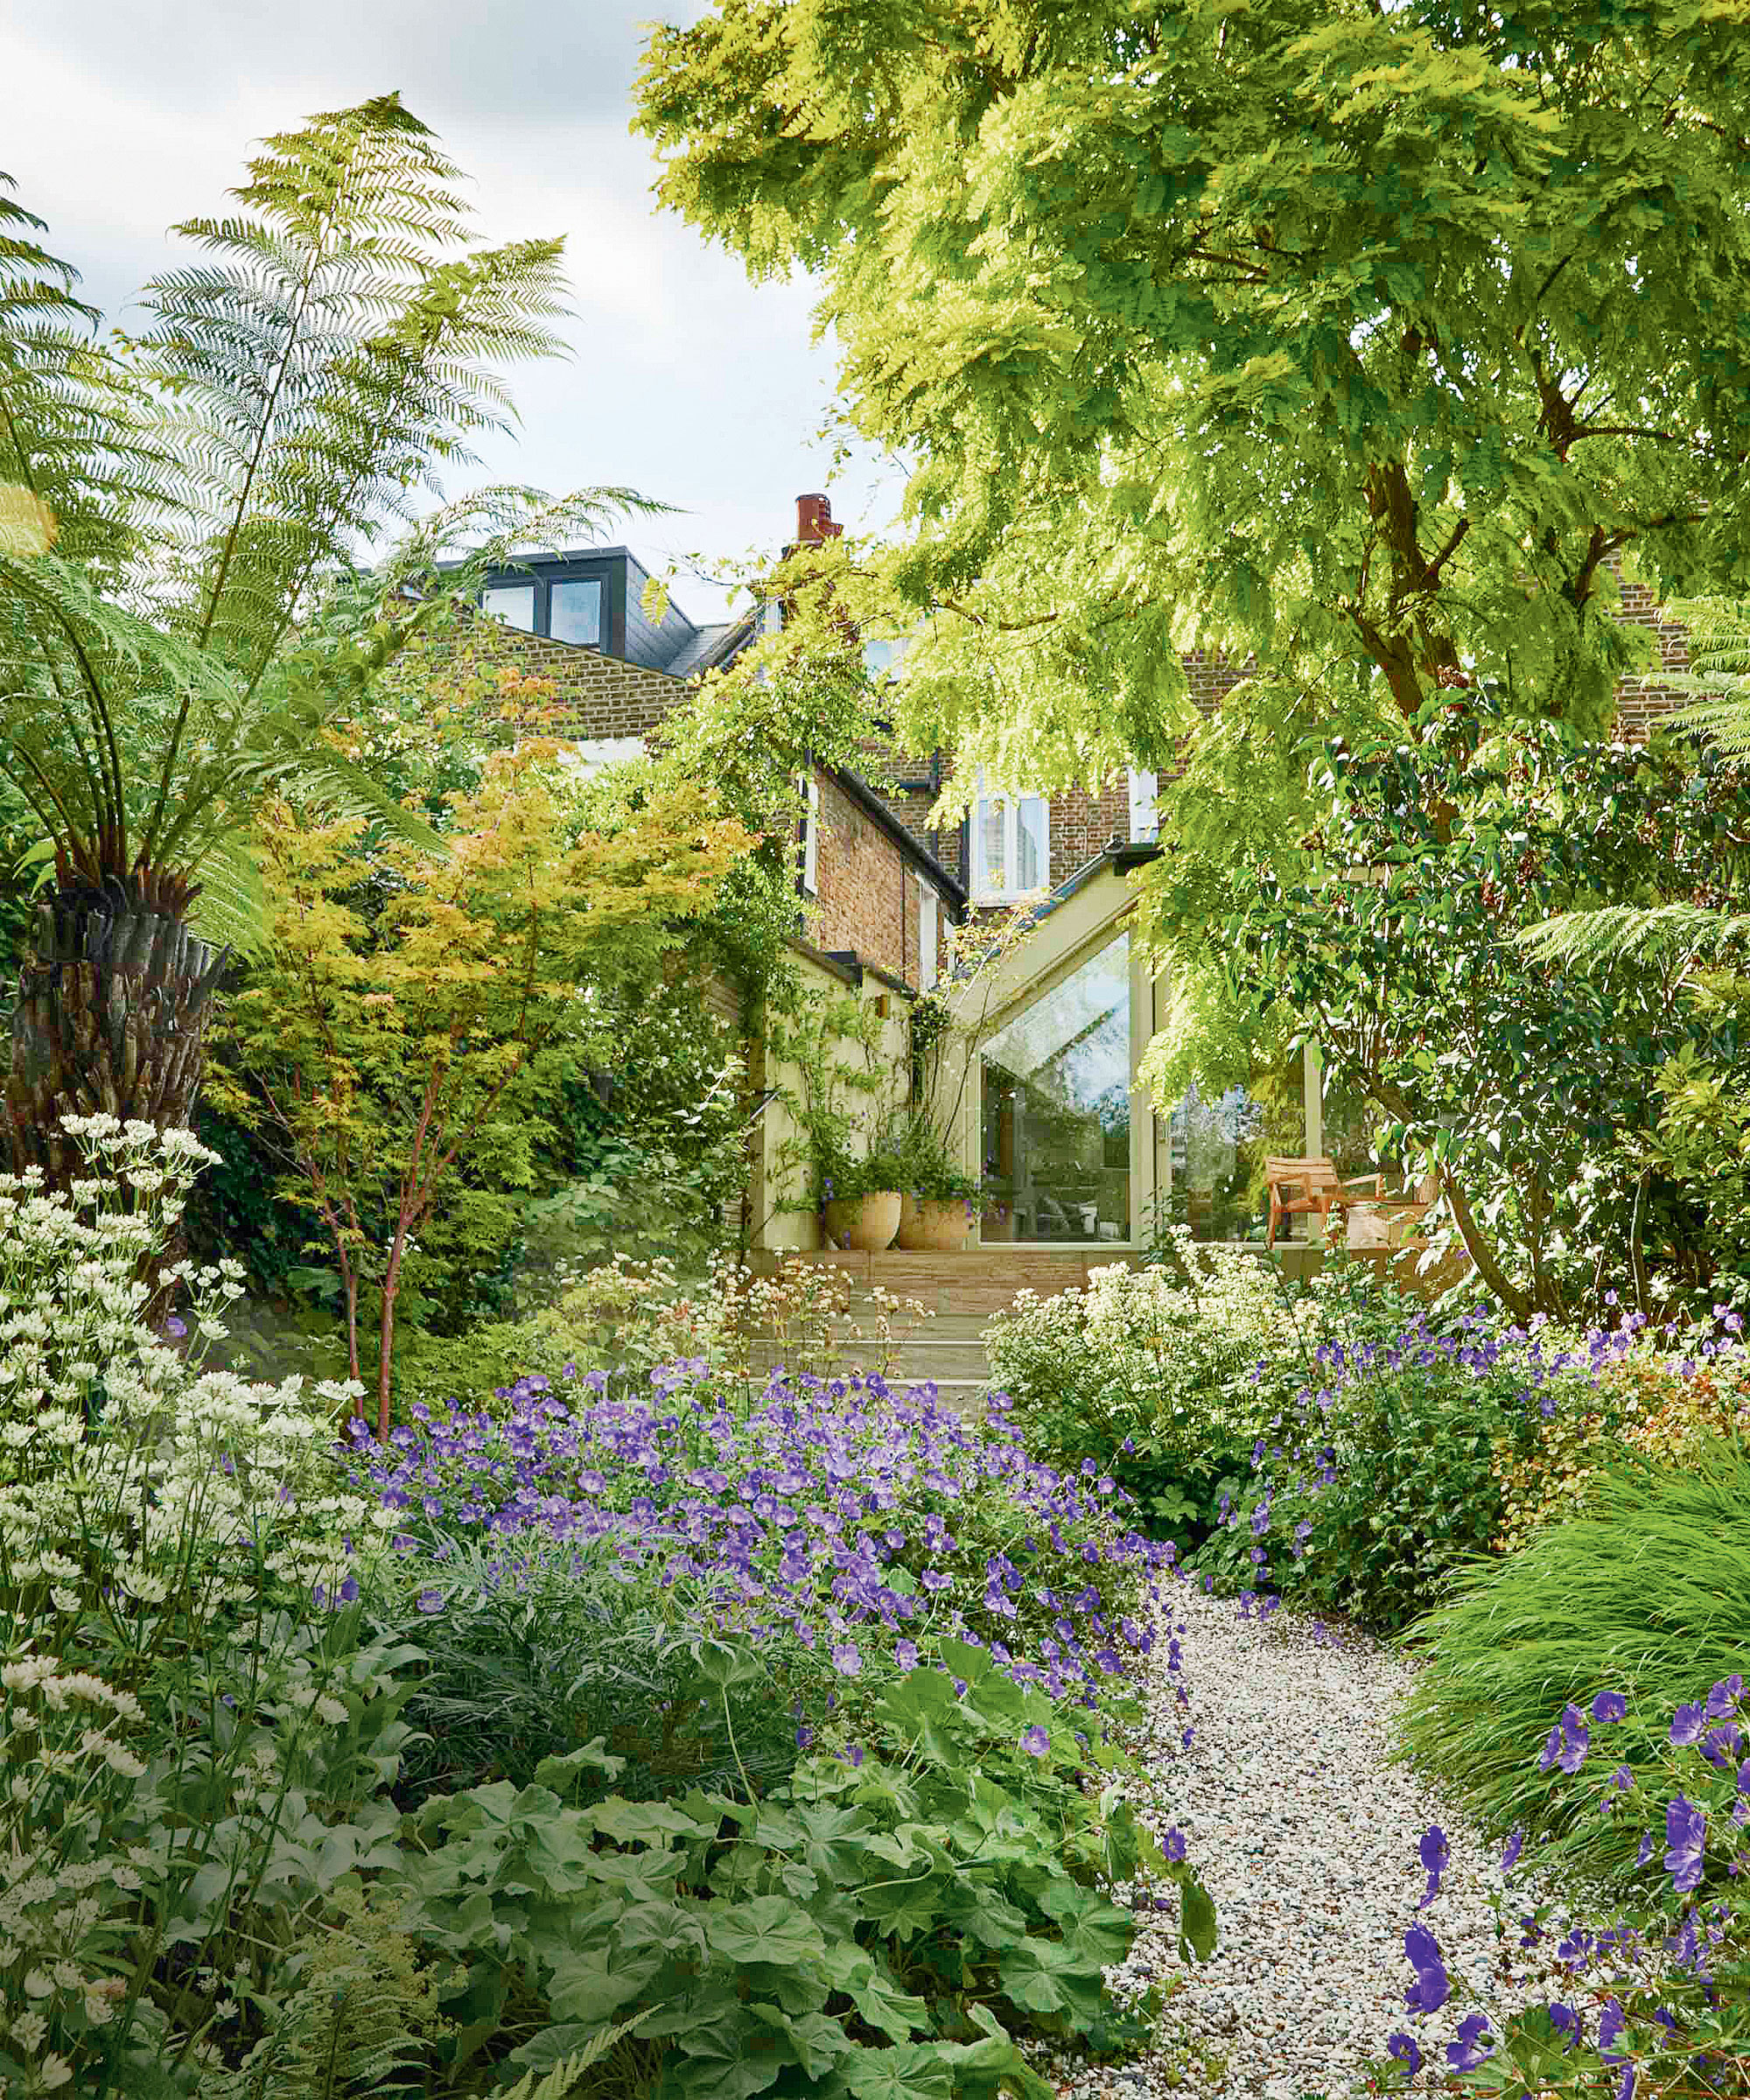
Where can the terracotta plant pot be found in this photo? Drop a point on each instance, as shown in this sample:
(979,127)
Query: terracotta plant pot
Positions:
(939,1225)
(867,1222)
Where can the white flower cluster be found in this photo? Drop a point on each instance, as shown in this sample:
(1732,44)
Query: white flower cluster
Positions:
(1170,1347)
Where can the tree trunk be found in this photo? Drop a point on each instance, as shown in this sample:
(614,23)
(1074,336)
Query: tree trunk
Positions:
(110,1017)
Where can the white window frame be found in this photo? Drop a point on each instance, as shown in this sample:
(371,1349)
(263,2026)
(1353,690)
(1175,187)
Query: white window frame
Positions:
(984,890)
(1144,796)
(929,936)
(810,875)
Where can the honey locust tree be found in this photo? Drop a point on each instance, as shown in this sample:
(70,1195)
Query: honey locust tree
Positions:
(1369,344)
(182,611)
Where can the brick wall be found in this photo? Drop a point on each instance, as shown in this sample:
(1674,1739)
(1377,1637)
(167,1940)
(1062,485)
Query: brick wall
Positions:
(600,696)
(1640,701)
(868,890)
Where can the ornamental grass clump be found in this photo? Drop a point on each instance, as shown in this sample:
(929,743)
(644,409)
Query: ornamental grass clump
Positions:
(858,1524)
(1648,1587)
(1658,2001)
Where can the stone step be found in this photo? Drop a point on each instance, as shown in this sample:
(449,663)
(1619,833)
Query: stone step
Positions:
(927,1358)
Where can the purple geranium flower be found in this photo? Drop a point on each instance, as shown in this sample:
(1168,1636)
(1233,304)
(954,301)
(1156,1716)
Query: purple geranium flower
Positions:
(1432,1986)
(1515,1845)
(1470,2051)
(1403,2048)
(1174,1844)
(1687,1723)
(1035,1741)
(1608,1706)
(1685,1834)
(1435,1853)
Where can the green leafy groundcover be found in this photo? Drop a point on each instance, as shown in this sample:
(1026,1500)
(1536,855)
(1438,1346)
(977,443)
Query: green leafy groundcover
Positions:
(877,1927)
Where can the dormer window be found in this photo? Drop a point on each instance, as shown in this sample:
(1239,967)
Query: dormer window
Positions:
(575,610)
(564,607)
(512,602)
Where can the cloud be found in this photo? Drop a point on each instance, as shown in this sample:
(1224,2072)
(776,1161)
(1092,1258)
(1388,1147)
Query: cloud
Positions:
(686,381)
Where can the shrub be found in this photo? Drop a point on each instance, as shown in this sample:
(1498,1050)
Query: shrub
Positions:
(1660,1407)
(1145,1371)
(1645,1590)
(1369,1490)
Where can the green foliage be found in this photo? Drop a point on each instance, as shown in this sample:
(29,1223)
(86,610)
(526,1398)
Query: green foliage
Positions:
(1388,933)
(881,1924)
(176,657)
(1148,1372)
(1368,395)
(1642,1593)
(543,1647)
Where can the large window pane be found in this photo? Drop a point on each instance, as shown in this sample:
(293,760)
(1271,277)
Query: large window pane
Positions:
(575,610)
(514,604)
(1217,1148)
(1056,1109)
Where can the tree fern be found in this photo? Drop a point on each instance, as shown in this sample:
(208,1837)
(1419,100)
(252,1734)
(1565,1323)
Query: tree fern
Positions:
(183,518)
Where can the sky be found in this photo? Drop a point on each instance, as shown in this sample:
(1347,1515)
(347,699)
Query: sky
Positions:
(686,382)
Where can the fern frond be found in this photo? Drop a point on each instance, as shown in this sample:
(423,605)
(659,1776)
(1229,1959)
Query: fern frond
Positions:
(1581,940)
(557,2084)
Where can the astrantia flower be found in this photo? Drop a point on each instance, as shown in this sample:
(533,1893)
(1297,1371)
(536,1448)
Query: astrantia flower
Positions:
(1035,1741)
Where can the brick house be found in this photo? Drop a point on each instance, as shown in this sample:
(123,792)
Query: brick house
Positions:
(1050,1116)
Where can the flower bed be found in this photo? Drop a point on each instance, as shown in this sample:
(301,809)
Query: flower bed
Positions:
(843,1517)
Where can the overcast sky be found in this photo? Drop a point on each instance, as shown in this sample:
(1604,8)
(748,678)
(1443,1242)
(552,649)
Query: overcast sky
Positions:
(118,117)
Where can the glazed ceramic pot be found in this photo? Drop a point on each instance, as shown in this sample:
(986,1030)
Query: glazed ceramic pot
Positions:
(939,1226)
(867,1222)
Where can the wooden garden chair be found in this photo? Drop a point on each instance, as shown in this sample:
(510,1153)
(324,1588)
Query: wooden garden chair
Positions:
(1299,1187)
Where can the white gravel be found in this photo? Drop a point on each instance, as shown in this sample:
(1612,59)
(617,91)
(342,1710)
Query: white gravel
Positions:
(1306,1835)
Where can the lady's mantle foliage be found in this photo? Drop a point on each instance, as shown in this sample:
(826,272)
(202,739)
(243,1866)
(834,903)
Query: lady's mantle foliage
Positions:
(845,1517)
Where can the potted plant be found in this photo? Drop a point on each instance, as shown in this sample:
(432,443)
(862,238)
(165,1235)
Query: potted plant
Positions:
(860,1200)
(938,1202)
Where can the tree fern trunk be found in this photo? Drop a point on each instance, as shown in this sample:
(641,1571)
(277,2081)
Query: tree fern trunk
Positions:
(111,1016)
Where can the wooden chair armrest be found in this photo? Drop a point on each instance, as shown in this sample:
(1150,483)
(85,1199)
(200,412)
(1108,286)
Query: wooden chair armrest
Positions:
(1361,1180)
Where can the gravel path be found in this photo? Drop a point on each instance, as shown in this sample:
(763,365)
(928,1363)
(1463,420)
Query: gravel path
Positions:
(1305,1834)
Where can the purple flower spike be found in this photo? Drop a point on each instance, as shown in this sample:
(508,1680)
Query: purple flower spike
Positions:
(1432,1986)
(1608,1706)
(1035,1741)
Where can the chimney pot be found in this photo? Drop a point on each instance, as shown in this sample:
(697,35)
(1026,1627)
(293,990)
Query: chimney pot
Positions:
(815,520)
